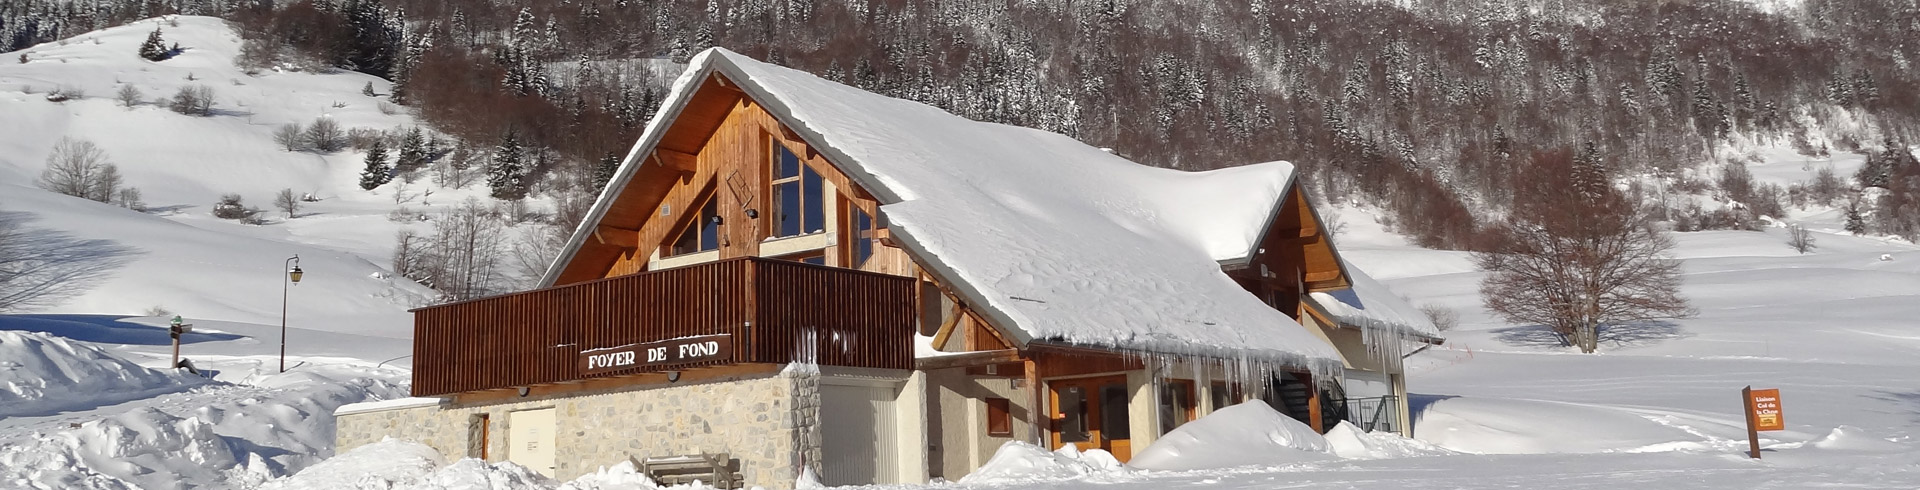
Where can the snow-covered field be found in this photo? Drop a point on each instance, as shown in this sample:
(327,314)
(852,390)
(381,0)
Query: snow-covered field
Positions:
(83,403)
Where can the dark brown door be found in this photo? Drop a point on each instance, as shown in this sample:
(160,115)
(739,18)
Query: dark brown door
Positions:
(1092,413)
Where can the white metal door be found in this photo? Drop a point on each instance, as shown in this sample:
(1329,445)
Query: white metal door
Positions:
(530,439)
(859,438)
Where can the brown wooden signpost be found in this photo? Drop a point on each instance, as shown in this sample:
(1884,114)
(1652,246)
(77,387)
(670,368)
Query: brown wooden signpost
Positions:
(1763,413)
(655,354)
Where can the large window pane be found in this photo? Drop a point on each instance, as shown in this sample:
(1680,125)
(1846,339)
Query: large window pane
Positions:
(710,226)
(1113,412)
(863,237)
(787,166)
(786,214)
(815,219)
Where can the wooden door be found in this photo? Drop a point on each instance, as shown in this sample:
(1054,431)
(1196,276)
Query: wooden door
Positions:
(1092,413)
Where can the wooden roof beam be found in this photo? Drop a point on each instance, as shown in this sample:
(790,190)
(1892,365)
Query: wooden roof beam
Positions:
(616,236)
(676,160)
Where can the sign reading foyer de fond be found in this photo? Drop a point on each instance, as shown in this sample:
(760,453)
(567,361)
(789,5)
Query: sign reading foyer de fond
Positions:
(671,352)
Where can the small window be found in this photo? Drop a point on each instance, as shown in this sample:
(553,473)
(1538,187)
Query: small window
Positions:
(1222,395)
(799,196)
(1176,404)
(999,417)
(862,236)
(702,234)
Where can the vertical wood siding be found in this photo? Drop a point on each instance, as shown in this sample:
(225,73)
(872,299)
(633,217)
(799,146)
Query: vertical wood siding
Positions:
(858,318)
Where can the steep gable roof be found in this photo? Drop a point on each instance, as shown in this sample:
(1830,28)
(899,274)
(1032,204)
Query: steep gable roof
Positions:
(1050,238)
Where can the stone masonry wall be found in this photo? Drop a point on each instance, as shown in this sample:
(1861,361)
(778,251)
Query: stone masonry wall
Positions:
(765,421)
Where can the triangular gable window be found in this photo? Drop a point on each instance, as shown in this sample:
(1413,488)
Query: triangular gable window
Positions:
(702,233)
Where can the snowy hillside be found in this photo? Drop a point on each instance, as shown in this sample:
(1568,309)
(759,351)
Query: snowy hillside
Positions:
(177,257)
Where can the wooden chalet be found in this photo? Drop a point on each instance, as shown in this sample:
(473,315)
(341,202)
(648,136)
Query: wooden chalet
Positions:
(804,276)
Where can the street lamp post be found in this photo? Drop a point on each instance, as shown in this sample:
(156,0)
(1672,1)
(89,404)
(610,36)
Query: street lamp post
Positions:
(293,278)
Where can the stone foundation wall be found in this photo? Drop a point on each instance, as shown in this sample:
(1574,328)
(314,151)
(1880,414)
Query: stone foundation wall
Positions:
(766,421)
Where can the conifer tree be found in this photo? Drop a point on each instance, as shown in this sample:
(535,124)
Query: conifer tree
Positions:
(509,166)
(155,48)
(1856,224)
(603,173)
(377,171)
(413,151)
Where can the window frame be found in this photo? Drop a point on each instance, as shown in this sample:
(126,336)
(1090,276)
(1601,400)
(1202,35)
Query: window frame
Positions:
(999,417)
(694,224)
(803,176)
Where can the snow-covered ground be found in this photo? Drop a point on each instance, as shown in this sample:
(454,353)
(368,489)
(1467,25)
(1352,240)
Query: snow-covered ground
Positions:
(83,403)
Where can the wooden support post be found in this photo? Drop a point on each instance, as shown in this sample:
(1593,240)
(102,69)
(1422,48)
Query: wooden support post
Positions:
(1035,410)
(1313,405)
(1753,430)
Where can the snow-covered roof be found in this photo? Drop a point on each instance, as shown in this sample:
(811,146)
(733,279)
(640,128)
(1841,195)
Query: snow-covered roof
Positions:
(1368,304)
(1057,240)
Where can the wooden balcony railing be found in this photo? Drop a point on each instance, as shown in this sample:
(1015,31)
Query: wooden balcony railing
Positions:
(772,311)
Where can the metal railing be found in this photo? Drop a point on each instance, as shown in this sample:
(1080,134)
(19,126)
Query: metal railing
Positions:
(1380,413)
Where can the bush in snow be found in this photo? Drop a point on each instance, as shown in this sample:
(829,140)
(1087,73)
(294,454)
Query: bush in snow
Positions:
(230,207)
(193,100)
(325,136)
(1799,238)
(1443,318)
(289,136)
(79,168)
(128,96)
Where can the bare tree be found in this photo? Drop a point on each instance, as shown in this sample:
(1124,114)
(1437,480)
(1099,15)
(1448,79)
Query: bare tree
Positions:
(462,259)
(128,96)
(1799,238)
(79,168)
(193,100)
(1443,318)
(289,136)
(535,248)
(286,202)
(325,136)
(1575,256)
(43,267)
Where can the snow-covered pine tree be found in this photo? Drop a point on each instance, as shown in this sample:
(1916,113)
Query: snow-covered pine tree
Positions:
(413,151)
(603,173)
(377,171)
(509,166)
(155,48)
(1856,224)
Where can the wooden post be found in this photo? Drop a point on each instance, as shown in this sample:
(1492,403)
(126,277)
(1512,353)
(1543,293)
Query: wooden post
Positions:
(1035,410)
(1313,405)
(1753,432)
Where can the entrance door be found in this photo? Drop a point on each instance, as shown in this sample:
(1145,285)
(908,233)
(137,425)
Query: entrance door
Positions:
(530,439)
(1092,413)
(858,438)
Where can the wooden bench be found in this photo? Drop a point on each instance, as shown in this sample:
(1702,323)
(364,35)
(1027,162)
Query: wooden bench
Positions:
(715,470)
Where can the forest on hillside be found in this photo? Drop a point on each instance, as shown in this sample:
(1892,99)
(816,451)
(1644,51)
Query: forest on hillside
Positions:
(1426,108)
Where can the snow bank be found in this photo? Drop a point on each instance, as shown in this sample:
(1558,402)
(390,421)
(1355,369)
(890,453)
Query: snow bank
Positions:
(1350,442)
(1847,437)
(1510,426)
(42,373)
(393,464)
(1247,434)
(1023,462)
